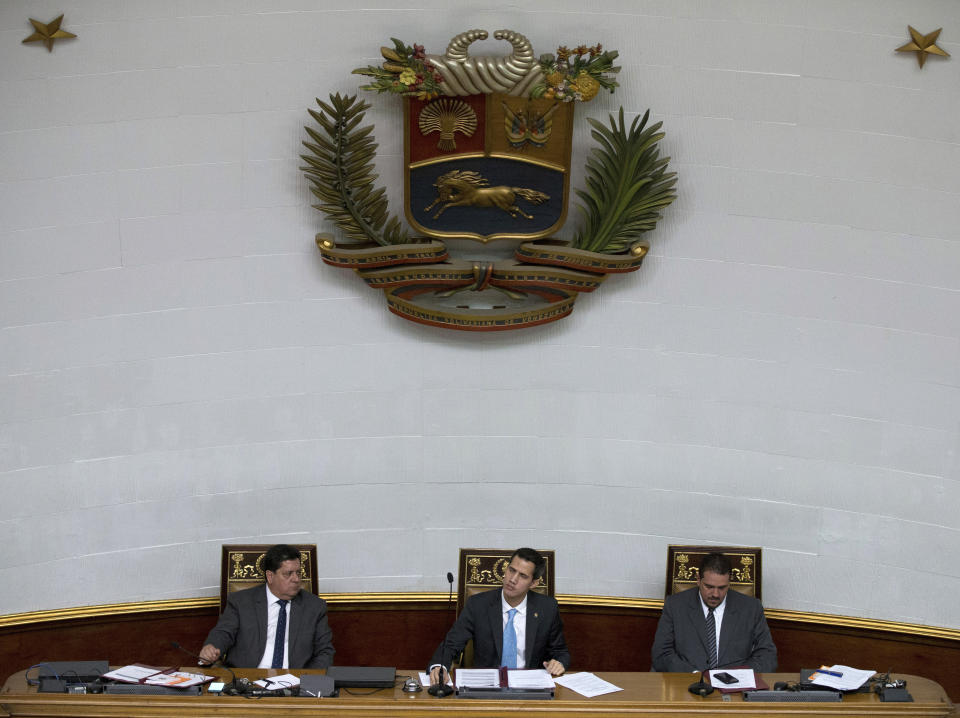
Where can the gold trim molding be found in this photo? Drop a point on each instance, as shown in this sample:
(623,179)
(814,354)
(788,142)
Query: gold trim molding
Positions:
(586,601)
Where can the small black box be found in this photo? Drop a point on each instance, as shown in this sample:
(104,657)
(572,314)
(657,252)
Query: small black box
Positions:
(896,695)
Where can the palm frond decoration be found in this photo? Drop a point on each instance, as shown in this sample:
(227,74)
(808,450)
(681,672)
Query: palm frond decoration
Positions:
(627,185)
(340,171)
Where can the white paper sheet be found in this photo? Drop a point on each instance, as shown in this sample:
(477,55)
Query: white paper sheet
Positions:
(849,679)
(275,683)
(534,678)
(131,673)
(478,678)
(586,684)
(745,678)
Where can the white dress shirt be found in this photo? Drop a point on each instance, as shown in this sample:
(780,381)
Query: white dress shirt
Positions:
(273,614)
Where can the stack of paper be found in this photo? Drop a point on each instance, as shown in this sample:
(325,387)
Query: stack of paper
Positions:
(153,676)
(841,678)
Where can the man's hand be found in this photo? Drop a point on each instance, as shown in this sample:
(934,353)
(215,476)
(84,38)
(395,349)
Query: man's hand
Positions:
(554,667)
(435,675)
(209,654)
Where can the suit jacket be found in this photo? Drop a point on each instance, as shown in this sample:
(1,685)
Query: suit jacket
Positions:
(482,620)
(241,632)
(680,643)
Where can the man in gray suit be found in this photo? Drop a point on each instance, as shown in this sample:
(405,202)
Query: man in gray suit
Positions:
(709,626)
(277,625)
(526,623)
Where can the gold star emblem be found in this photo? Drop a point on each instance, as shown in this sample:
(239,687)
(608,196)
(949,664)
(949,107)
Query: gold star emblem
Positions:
(48,33)
(923,45)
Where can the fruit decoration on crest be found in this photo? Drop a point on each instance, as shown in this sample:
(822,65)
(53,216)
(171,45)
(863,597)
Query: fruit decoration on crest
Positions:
(487,150)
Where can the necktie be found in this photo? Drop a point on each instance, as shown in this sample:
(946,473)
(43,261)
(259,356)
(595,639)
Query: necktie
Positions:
(711,639)
(510,642)
(280,639)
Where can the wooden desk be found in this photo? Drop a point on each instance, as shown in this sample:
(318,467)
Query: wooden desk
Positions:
(644,694)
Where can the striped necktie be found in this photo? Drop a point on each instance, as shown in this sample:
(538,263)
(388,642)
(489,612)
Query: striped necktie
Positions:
(281,639)
(711,639)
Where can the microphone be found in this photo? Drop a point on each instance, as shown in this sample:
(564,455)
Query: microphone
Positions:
(441,689)
(700,688)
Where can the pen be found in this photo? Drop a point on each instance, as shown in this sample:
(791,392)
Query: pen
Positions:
(835,674)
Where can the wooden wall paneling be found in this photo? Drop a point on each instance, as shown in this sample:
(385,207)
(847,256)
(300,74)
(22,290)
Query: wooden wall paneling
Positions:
(808,646)
(122,639)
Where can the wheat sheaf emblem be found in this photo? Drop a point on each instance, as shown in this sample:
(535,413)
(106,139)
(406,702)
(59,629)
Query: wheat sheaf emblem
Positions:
(448,117)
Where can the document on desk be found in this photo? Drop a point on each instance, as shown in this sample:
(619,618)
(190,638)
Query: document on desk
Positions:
(586,684)
(178,679)
(478,678)
(275,683)
(532,678)
(841,678)
(744,679)
(135,673)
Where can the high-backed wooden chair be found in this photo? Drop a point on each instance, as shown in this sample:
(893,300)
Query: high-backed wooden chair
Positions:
(481,569)
(241,567)
(683,567)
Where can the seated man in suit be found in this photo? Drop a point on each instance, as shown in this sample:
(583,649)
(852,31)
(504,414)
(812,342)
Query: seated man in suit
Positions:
(709,626)
(277,625)
(511,627)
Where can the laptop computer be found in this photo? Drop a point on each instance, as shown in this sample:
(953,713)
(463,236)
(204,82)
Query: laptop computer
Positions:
(362,676)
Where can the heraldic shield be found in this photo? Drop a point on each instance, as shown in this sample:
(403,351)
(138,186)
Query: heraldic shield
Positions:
(487,166)
(487,154)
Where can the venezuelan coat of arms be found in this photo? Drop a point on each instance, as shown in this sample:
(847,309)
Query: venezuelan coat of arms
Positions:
(487,157)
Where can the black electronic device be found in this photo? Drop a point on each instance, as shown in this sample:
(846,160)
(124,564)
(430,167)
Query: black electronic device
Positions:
(895,695)
(792,696)
(362,676)
(512,694)
(143,689)
(51,685)
(806,681)
(725,677)
(314,685)
(73,671)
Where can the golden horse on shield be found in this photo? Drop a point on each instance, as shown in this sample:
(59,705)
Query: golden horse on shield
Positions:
(464,188)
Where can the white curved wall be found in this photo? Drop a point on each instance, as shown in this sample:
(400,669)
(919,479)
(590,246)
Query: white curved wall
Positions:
(178,368)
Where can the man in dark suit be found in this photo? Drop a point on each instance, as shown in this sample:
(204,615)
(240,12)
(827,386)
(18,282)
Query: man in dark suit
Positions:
(277,625)
(527,623)
(709,626)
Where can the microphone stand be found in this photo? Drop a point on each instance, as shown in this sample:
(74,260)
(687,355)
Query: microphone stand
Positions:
(701,688)
(441,689)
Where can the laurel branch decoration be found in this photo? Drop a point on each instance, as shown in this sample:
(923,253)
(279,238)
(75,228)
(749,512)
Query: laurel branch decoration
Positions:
(627,185)
(340,171)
